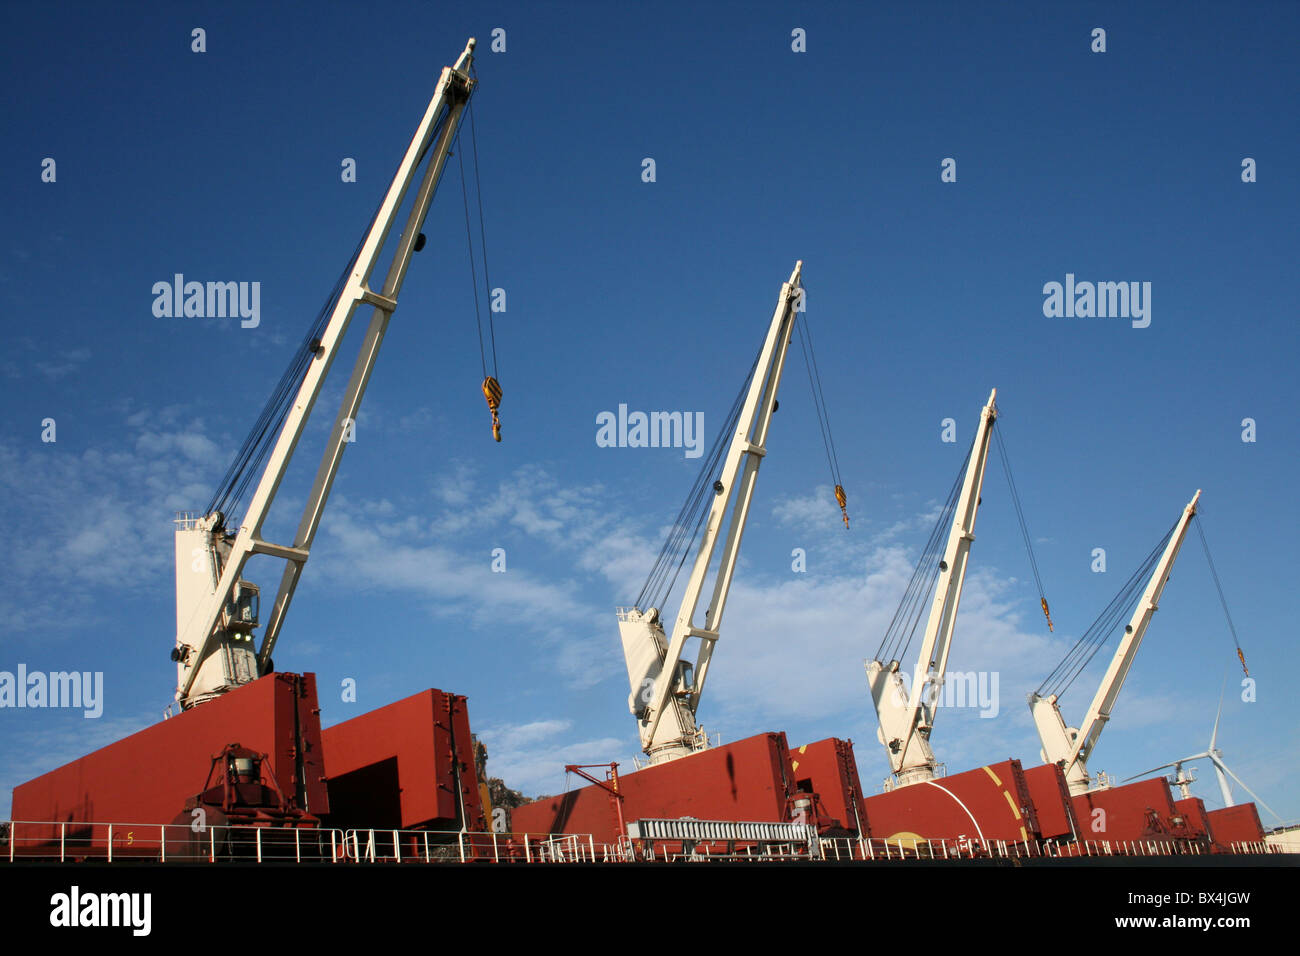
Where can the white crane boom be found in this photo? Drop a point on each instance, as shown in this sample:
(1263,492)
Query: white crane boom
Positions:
(1070,747)
(216,611)
(906,719)
(665,708)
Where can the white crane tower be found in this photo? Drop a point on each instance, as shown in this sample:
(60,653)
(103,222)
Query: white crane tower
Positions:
(1070,747)
(665,708)
(216,609)
(907,717)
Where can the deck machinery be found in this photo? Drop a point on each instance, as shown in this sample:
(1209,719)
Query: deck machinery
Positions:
(231,699)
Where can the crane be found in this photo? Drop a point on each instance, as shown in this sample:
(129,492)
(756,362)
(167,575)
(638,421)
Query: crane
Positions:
(1070,747)
(907,719)
(216,609)
(665,708)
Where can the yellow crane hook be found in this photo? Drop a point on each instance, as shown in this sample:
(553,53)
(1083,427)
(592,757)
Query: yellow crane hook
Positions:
(492,392)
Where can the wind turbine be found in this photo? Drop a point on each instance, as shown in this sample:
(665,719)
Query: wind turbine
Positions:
(1215,756)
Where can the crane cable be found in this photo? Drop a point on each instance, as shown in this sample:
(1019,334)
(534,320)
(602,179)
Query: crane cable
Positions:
(823,415)
(907,617)
(1024,528)
(690,518)
(1086,647)
(1219,587)
(249,460)
(491,387)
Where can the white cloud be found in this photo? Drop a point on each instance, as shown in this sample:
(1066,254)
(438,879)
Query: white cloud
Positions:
(531,757)
(98,517)
(64,364)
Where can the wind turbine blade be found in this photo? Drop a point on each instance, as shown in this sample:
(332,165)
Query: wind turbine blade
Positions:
(1219,763)
(1166,766)
(1163,766)
(1215,734)
(1147,773)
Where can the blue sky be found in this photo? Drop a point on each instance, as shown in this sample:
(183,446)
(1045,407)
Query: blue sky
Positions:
(922,295)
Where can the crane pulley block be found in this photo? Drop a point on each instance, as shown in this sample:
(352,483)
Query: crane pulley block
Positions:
(1047,614)
(492,392)
(842,499)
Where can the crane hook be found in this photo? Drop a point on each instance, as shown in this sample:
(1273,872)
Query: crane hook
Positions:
(492,392)
(843,500)
(1048,614)
(1242,657)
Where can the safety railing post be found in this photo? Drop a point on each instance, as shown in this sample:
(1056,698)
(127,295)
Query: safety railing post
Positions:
(591,840)
(162,841)
(397,847)
(63,834)
(110,843)
(426,846)
(212,844)
(259,844)
(297,845)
